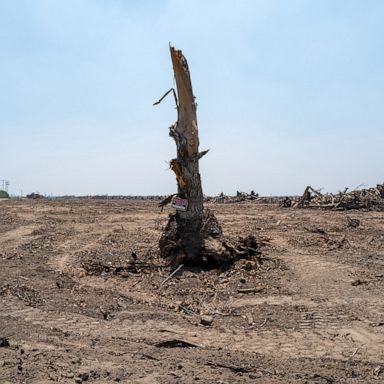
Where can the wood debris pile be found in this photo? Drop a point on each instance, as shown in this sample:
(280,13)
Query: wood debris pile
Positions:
(35,195)
(371,199)
(240,196)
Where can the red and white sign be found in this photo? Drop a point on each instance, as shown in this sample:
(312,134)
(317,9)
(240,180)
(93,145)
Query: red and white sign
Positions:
(179,203)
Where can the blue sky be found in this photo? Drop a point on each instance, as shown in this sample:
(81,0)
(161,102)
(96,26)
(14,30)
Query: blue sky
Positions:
(289,93)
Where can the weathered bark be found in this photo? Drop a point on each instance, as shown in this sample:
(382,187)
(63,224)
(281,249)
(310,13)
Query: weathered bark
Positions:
(186,135)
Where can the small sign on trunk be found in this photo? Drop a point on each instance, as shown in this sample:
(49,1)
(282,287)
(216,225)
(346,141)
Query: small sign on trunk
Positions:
(179,203)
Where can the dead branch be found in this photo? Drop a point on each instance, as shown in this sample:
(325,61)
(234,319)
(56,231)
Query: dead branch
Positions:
(166,94)
(172,274)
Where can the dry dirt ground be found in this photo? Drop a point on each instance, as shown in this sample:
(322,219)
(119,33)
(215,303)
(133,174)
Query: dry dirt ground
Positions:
(82,297)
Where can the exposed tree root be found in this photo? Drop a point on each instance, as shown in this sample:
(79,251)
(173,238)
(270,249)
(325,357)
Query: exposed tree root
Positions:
(209,248)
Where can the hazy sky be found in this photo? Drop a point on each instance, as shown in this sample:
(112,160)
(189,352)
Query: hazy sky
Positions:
(289,93)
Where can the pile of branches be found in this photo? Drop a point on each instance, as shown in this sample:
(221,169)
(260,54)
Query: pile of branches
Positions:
(371,199)
(35,195)
(240,197)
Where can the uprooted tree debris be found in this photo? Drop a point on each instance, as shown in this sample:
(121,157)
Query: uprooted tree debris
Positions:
(193,235)
(240,197)
(35,195)
(370,199)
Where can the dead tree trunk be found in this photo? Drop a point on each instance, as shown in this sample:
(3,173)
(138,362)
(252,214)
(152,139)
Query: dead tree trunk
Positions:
(183,238)
(186,165)
(193,235)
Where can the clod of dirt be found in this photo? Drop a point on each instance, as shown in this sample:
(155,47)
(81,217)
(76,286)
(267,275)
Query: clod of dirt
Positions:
(249,247)
(4,342)
(117,374)
(206,320)
(82,377)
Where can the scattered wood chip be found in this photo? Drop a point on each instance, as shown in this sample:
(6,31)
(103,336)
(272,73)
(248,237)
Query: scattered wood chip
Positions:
(378,324)
(172,274)
(250,290)
(263,323)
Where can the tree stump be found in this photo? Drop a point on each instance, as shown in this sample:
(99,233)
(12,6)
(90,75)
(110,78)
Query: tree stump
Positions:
(193,236)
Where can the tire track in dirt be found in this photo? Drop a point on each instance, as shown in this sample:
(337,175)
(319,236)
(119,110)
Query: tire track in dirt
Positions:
(290,343)
(331,283)
(328,285)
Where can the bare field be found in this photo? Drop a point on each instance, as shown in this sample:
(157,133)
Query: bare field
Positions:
(82,299)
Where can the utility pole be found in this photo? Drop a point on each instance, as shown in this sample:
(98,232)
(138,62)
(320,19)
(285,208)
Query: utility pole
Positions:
(5,185)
